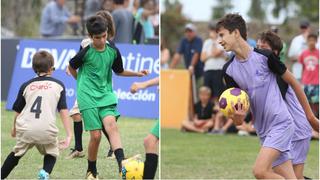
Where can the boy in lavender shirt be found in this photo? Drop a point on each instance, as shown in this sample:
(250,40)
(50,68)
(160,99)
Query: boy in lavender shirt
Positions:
(255,71)
(303,132)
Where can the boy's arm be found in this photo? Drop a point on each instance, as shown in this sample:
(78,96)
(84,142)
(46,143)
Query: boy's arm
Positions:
(175,60)
(72,71)
(66,124)
(62,108)
(77,61)
(289,78)
(279,68)
(13,131)
(18,106)
(129,73)
(117,67)
(142,85)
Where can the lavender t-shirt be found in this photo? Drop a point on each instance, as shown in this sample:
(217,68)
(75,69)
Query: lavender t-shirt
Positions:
(257,76)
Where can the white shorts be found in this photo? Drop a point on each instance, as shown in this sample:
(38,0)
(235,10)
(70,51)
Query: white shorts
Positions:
(75,109)
(22,147)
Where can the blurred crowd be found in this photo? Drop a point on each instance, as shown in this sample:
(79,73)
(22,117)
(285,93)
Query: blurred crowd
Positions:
(205,61)
(136,21)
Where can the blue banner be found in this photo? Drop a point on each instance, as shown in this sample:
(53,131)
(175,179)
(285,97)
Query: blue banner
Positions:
(143,104)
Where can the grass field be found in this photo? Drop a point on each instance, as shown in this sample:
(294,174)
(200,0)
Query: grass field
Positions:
(202,156)
(132,132)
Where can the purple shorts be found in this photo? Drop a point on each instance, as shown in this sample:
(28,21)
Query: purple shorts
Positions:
(299,151)
(281,140)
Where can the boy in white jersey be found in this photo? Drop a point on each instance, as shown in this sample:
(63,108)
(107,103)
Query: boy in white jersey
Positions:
(35,118)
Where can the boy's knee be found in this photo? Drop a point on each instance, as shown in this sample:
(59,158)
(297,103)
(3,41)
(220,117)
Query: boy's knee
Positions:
(258,172)
(96,136)
(110,124)
(76,118)
(149,142)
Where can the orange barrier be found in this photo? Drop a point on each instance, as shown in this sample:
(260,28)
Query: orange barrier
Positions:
(175,93)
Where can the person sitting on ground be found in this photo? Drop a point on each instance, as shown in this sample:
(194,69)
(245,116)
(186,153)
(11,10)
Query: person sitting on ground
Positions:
(203,118)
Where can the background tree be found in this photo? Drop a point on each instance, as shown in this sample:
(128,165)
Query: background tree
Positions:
(256,12)
(223,7)
(172,24)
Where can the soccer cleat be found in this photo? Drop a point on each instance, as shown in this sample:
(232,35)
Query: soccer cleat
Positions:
(110,154)
(43,175)
(91,176)
(75,154)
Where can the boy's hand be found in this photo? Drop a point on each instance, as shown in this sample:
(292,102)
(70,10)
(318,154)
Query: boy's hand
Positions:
(143,73)
(13,132)
(63,144)
(198,122)
(314,122)
(239,113)
(135,87)
(68,71)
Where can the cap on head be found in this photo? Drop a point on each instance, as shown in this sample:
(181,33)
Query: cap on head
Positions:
(274,29)
(190,27)
(304,24)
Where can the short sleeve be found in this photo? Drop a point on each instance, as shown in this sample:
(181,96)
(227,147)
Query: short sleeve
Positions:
(181,46)
(206,46)
(275,65)
(77,60)
(228,80)
(198,45)
(117,65)
(62,103)
(301,57)
(20,101)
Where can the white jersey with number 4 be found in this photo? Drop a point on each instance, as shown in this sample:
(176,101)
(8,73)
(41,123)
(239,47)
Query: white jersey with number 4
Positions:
(37,102)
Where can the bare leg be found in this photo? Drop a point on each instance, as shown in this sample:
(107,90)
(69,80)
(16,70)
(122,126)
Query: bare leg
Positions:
(110,125)
(263,166)
(298,170)
(191,127)
(151,144)
(95,137)
(207,125)
(218,120)
(285,170)
(227,125)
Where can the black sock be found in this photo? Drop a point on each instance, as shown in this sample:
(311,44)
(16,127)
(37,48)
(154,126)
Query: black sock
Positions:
(107,136)
(48,163)
(9,164)
(150,166)
(92,167)
(119,156)
(78,129)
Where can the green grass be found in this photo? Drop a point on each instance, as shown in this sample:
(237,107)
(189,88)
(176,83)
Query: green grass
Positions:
(201,156)
(132,132)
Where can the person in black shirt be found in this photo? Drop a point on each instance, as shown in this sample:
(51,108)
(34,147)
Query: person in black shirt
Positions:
(203,118)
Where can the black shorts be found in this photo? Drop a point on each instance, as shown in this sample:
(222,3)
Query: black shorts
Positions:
(213,80)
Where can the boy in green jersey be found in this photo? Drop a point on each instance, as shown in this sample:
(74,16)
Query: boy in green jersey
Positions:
(96,99)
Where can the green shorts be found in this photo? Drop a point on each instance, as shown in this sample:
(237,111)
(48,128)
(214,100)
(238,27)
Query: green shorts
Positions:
(155,129)
(93,117)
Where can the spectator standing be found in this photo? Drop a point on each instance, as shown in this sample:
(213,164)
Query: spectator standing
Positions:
(298,44)
(143,15)
(54,18)
(190,47)
(309,59)
(123,21)
(213,57)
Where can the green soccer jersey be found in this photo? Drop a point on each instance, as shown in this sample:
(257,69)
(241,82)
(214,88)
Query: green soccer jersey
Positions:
(94,79)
